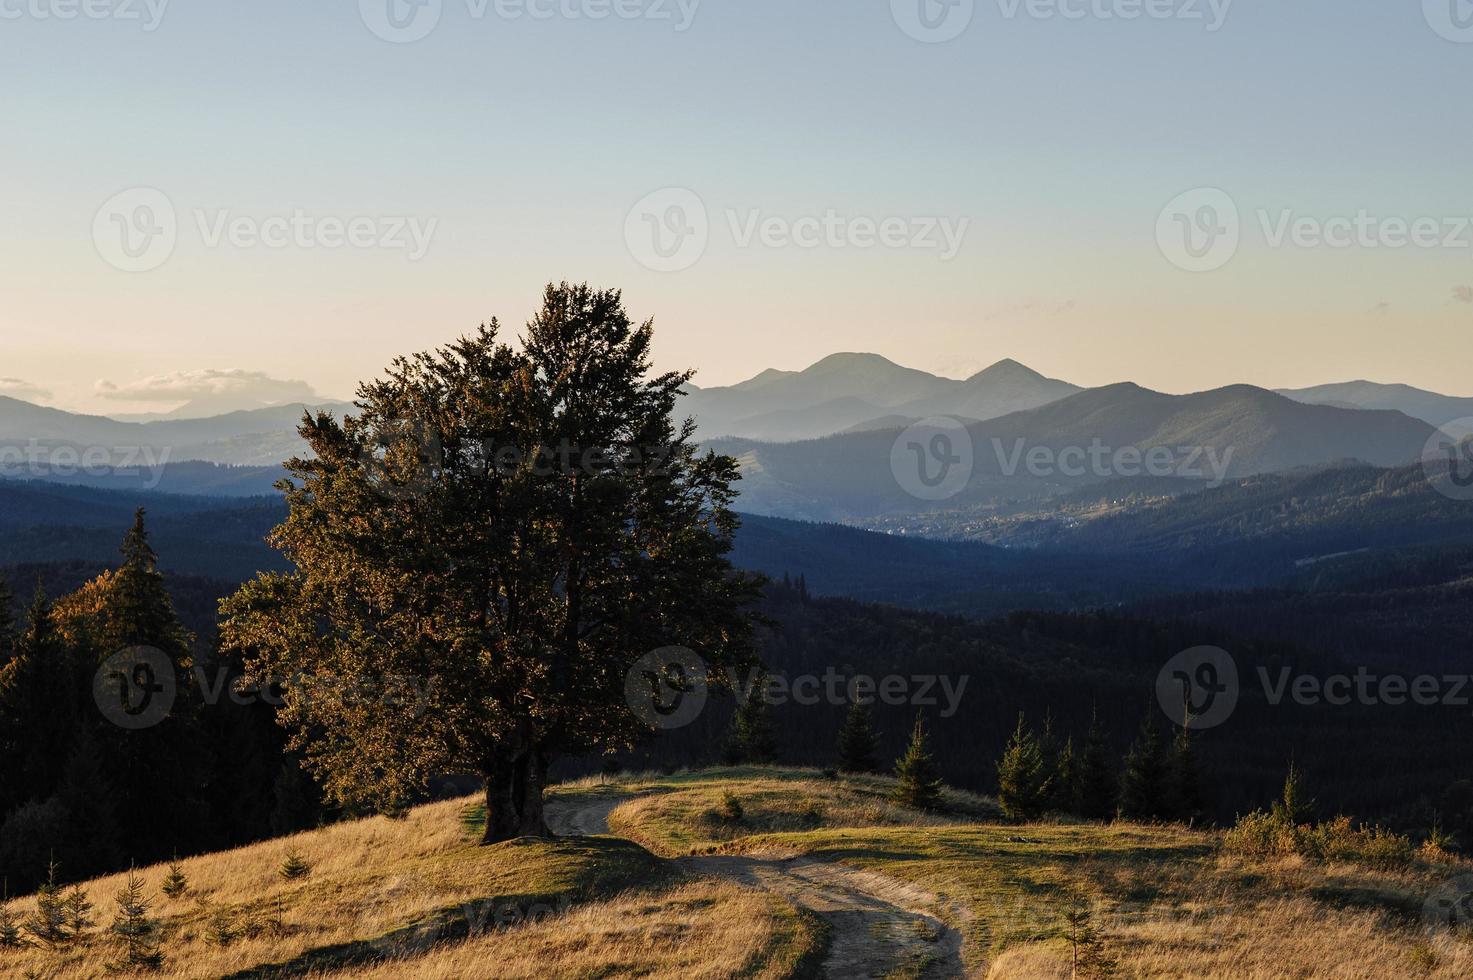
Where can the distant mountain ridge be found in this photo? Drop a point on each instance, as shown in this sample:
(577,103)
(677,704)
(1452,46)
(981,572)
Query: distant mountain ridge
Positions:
(1209,436)
(861,391)
(1429,406)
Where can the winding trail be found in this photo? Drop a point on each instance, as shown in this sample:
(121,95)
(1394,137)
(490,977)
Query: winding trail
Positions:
(880,926)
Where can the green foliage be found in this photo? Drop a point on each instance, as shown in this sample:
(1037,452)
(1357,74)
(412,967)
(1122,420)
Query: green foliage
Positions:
(1267,835)
(136,933)
(294,868)
(1293,807)
(731,808)
(1096,790)
(920,779)
(78,908)
(519,525)
(1186,798)
(1089,959)
(1145,790)
(222,928)
(176,883)
(48,922)
(10,934)
(750,740)
(1024,779)
(857,742)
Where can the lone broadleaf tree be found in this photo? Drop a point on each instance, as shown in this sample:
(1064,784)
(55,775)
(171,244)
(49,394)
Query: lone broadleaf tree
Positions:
(486,550)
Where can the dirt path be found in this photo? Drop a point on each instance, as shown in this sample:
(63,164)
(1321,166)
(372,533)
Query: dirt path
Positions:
(881,926)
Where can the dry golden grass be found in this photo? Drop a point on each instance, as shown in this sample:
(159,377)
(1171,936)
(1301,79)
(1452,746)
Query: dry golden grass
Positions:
(368,878)
(706,929)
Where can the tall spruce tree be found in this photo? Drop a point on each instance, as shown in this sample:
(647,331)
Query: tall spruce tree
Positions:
(857,743)
(750,740)
(1145,792)
(920,779)
(1187,798)
(1097,787)
(1024,779)
(519,527)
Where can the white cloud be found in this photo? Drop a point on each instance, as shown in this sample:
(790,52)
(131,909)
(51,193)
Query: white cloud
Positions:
(24,390)
(209,385)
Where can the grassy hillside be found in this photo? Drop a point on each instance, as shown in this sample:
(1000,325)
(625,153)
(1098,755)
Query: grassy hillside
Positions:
(805,871)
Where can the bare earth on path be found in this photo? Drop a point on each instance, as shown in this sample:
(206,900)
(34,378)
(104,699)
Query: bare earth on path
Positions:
(880,926)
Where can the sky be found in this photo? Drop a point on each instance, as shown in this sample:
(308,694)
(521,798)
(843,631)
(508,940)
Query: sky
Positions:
(1206,193)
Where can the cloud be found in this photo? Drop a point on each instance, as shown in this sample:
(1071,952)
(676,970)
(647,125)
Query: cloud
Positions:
(209,385)
(24,390)
(1463,294)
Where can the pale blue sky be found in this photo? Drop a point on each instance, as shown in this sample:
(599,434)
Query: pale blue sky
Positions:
(528,142)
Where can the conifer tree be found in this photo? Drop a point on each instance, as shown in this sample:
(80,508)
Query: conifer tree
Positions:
(177,882)
(920,780)
(294,867)
(1097,787)
(1187,798)
(48,922)
(136,932)
(857,743)
(750,740)
(1144,786)
(78,909)
(1294,807)
(1024,782)
(10,935)
(1064,792)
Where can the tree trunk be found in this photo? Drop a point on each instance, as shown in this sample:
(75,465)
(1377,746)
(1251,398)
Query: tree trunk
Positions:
(502,816)
(532,780)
